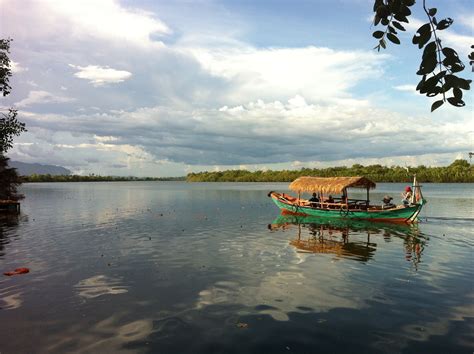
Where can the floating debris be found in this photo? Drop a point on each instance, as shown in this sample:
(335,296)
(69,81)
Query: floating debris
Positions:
(17,272)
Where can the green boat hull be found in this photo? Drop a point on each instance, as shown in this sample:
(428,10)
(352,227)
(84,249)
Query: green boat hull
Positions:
(404,214)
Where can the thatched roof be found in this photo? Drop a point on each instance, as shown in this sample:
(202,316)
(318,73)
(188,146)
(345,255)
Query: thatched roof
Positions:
(329,185)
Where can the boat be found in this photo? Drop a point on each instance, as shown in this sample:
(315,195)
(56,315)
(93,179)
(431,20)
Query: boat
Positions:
(345,207)
(9,206)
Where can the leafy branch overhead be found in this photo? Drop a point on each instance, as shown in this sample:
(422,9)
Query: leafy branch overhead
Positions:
(439,65)
(10,126)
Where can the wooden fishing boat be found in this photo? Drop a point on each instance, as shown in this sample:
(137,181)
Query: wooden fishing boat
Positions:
(344,207)
(9,206)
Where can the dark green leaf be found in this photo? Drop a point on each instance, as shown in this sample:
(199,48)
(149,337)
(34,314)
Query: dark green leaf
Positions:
(393,38)
(449,52)
(377,3)
(432,12)
(376,20)
(457,67)
(405,11)
(398,25)
(422,35)
(430,50)
(436,105)
(409,2)
(395,6)
(450,81)
(383,11)
(382,43)
(385,21)
(421,83)
(443,24)
(456,102)
(378,34)
(400,17)
(392,30)
(428,64)
(430,85)
(462,83)
(457,93)
(433,91)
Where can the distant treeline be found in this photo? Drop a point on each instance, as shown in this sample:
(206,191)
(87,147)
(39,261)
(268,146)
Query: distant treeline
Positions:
(459,171)
(94,178)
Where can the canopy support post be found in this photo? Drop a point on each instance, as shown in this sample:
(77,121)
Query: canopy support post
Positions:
(367,202)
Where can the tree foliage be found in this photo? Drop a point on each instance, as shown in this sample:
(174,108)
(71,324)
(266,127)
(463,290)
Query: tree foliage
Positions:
(9,181)
(94,178)
(10,127)
(439,65)
(458,171)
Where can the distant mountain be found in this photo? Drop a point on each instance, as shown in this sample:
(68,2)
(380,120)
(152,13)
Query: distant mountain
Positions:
(27,169)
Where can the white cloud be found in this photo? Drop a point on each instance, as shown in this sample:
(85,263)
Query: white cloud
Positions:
(263,132)
(16,67)
(280,73)
(408,88)
(98,75)
(467,20)
(42,97)
(105,19)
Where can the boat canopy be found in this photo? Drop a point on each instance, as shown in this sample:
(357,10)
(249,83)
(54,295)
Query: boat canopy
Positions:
(328,185)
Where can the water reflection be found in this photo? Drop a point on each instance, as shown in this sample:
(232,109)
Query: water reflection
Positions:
(99,285)
(352,239)
(7,223)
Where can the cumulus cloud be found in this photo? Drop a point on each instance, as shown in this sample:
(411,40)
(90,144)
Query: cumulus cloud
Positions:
(42,97)
(263,132)
(99,76)
(87,19)
(280,73)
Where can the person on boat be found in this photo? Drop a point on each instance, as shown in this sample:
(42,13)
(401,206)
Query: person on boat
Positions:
(387,202)
(314,201)
(330,200)
(344,197)
(407,196)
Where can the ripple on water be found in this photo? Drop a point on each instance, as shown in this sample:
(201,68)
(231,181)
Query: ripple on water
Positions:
(99,285)
(10,298)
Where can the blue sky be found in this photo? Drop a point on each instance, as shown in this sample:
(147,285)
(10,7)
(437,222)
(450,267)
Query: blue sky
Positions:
(164,88)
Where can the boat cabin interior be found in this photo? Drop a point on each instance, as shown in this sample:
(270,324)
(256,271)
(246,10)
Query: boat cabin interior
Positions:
(324,189)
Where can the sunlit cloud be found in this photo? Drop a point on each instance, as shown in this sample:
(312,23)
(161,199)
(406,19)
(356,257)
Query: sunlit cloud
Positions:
(99,76)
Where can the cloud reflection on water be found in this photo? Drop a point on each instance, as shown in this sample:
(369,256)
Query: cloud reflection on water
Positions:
(99,285)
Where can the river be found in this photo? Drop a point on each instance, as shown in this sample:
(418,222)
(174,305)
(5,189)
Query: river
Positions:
(175,267)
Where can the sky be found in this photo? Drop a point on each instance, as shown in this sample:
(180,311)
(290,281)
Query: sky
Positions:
(164,88)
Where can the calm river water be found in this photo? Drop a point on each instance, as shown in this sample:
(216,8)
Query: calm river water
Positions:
(172,267)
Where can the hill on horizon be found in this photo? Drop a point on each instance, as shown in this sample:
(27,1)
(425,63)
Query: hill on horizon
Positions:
(28,169)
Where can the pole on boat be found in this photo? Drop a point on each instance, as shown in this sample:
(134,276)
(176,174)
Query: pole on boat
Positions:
(415,183)
(367,202)
(346,199)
